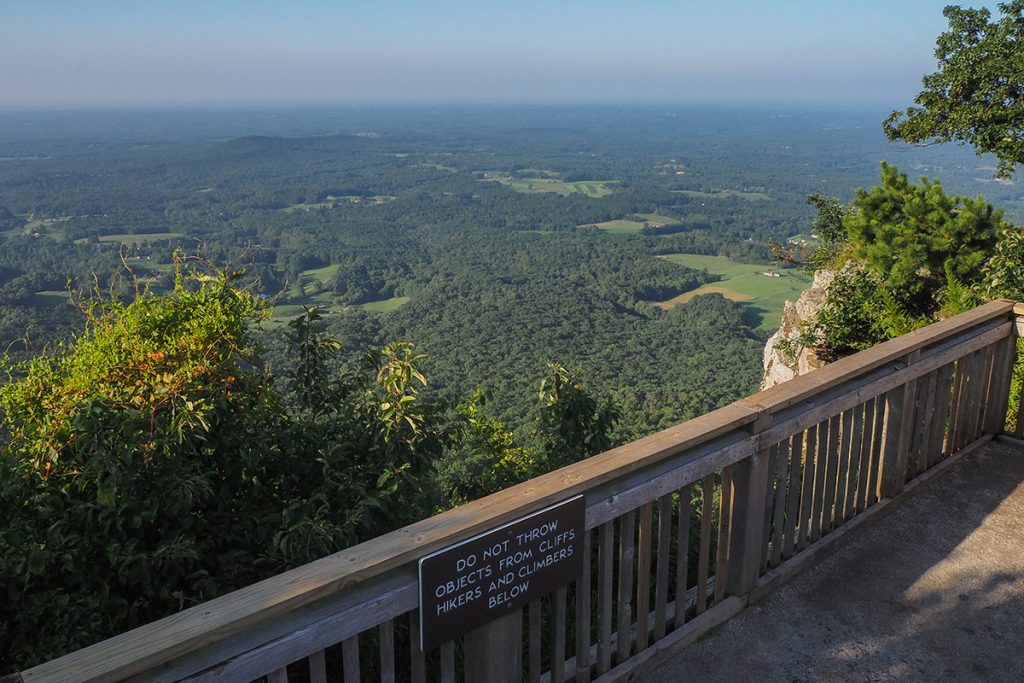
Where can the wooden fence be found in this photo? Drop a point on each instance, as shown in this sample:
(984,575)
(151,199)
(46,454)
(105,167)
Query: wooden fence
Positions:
(683,529)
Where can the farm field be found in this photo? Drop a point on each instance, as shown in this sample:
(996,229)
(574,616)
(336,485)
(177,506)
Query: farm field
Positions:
(634,223)
(590,188)
(742,282)
(307,290)
(310,289)
(132,240)
(312,281)
(724,194)
(385,305)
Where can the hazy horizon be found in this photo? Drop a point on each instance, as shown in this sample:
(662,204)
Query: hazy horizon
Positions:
(59,54)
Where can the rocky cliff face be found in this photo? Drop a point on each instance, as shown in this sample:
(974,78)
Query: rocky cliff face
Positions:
(782,364)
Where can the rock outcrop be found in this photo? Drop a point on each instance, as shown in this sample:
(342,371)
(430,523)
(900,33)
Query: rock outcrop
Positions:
(788,360)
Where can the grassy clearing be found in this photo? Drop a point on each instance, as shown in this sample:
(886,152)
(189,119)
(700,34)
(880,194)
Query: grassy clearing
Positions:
(655,219)
(725,194)
(385,305)
(311,290)
(307,207)
(49,298)
(312,282)
(436,167)
(282,313)
(730,294)
(41,227)
(323,275)
(634,223)
(763,295)
(132,240)
(331,202)
(589,188)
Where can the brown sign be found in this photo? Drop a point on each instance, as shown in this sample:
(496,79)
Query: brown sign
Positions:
(482,578)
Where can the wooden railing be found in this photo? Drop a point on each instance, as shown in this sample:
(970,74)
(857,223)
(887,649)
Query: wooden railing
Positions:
(683,529)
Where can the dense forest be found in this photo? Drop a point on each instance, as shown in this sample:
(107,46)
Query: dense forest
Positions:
(470,232)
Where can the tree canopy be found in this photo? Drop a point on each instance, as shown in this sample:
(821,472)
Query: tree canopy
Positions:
(903,255)
(977,94)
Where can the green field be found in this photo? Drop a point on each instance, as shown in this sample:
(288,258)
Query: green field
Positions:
(634,223)
(332,202)
(308,290)
(761,294)
(308,207)
(436,167)
(323,275)
(132,240)
(385,305)
(590,188)
(311,290)
(724,194)
(49,298)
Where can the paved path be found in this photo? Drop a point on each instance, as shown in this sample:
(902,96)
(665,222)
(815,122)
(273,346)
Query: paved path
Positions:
(934,592)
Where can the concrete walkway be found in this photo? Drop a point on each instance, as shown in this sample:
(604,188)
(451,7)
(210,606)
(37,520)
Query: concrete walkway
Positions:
(934,592)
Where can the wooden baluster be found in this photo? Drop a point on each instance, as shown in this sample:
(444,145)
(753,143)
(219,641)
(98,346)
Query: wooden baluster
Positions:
(707,497)
(417,661)
(682,556)
(958,406)
(605,597)
(318,668)
(750,479)
(807,490)
(722,545)
(350,655)
(643,574)
(386,632)
(864,468)
(831,475)
(779,510)
(661,573)
(843,475)
(926,414)
(448,662)
(821,458)
(796,452)
(899,425)
(769,500)
(627,552)
(856,439)
(558,651)
(583,614)
(999,393)
(493,652)
(534,637)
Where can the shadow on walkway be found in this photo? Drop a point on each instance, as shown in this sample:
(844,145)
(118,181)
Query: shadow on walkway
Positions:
(934,592)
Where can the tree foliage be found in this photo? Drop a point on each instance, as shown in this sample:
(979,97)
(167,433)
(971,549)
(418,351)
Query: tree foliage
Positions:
(153,464)
(977,94)
(913,237)
(905,255)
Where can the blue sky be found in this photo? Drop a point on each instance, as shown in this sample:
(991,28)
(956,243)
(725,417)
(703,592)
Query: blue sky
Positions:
(63,53)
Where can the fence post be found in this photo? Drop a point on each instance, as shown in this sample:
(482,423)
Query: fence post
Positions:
(1018,312)
(898,434)
(998,399)
(746,532)
(494,652)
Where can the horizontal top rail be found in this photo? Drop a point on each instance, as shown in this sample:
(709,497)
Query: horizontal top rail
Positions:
(153,645)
